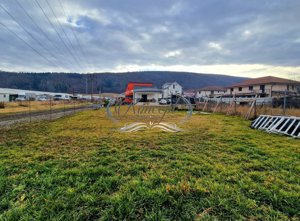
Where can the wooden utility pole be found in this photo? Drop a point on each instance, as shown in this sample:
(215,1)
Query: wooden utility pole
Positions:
(284,102)
(234,100)
(92,87)
(217,105)
(205,105)
(86,84)
(248,115)
(64,106)
(91,77)
(255,109)
(29,109)
(50,108)
(73,100)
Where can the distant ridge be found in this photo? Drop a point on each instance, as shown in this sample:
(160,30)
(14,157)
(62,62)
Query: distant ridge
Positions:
(109,82)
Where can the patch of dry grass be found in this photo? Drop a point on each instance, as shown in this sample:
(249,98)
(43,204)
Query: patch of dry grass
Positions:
(242,110)
(25,106)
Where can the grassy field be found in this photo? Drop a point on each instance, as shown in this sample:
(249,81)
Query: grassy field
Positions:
(80,168)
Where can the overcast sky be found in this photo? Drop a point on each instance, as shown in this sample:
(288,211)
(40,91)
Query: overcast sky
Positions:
(234,37)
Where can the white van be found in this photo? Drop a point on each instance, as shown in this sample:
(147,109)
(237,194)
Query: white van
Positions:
(58,97)
(21,97)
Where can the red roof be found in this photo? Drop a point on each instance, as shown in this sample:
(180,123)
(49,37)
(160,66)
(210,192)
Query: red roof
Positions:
(213,88)
(265,80)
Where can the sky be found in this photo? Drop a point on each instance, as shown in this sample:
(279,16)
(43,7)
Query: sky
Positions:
(233,37)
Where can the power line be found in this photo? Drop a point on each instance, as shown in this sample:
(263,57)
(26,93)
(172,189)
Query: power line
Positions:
(57,21)
(36,25)
(28,32)
(74,33)
(59,36)
(36,51)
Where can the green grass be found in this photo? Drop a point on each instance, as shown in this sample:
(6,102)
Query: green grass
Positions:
(80,168)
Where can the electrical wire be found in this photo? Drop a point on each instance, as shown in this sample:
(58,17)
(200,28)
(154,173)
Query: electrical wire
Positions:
(59,24)
(59,36)
(74,33)
(20,38)
(37,26)
(28,32)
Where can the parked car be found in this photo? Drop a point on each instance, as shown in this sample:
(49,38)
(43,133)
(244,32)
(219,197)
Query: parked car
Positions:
(21,98)
(57,97)
(42,98)
(163,101)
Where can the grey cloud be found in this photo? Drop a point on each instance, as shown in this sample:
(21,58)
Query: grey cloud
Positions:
(115,32)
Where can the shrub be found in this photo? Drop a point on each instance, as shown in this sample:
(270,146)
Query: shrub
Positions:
(2,105)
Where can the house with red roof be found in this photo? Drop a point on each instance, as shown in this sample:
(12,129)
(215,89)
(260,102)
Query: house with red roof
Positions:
(264,87)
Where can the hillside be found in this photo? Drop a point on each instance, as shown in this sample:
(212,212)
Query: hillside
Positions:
(108,82)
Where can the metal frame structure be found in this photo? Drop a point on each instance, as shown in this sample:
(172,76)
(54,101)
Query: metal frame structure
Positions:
(284,125)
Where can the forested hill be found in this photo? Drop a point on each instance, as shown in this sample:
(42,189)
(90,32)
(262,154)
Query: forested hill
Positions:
(108,82)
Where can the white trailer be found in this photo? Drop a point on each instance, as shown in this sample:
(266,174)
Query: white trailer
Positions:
(4,97)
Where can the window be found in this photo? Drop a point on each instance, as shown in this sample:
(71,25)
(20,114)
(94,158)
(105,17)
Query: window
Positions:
(250,88)
(240,88)
(293,87)
(173,86)
(4,95)
(288,87)
(231,89)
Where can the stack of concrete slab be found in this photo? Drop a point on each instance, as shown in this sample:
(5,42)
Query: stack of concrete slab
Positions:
(284,125)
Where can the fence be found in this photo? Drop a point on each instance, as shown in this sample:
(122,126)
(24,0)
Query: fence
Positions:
(252,107)
(28,111)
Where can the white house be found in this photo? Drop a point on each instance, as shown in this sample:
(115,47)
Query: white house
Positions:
(170,89)
(147,95)
(211,91)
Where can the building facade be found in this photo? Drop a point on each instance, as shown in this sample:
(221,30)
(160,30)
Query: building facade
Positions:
(4,97)
(170,89)
(211,91)
(147,95)
(264,87)
(190,93)
(9,94)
